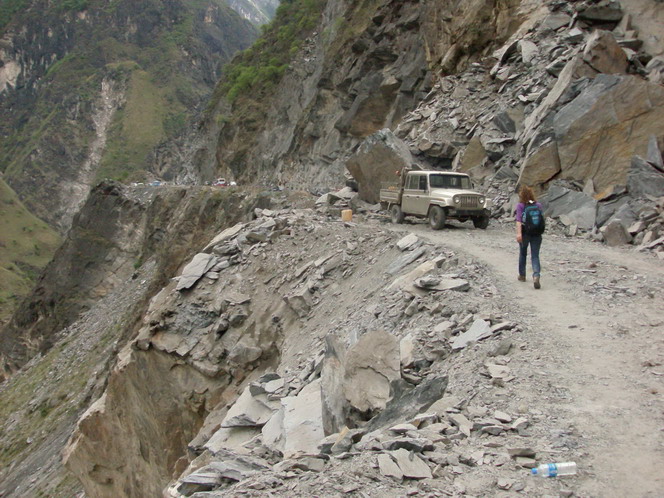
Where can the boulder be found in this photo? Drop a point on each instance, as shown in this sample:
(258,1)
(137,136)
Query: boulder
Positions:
(303,421)
(643,179)
(615,234)
(654,154)
(540,167)
(300,301)
(604,54)
(555,21)
(376,161)
(602,12)
(600,131)
(580,209)
(370,365)
(248,411)
(473,155)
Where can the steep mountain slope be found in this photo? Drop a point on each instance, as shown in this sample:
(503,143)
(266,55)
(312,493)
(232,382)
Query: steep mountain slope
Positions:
(89,89)
(258,12)
(362,66)
(27,244)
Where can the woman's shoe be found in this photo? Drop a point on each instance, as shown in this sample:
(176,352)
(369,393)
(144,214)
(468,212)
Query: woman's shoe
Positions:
(536,282)
(522,278)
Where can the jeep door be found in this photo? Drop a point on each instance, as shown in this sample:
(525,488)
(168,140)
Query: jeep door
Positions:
(415,198)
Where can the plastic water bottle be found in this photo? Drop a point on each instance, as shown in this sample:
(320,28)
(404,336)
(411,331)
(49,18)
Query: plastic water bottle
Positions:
(555,469)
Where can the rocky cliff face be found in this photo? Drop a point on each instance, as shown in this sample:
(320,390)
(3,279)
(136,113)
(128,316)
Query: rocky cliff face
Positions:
(364,67)
(88,91)
(117,231)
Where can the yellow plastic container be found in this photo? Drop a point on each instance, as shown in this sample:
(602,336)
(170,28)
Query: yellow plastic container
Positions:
(347,215)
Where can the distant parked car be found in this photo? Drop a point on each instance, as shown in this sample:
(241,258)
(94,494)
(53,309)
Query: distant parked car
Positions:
(155,183)
(220,182)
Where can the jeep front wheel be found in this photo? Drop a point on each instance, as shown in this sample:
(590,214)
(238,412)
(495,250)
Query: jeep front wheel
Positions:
(481,222)
(397,214)
(437,217)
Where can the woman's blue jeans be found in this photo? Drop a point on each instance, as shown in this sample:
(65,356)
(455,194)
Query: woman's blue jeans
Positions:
(534,241)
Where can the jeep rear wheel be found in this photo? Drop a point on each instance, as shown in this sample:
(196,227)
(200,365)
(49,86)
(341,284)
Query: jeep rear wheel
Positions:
(481,222)
(396,214)
(437,217)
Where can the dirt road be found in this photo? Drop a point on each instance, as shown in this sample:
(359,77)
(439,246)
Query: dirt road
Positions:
(595,356)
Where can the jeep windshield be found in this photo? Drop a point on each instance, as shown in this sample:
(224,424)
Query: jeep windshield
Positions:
(450,181)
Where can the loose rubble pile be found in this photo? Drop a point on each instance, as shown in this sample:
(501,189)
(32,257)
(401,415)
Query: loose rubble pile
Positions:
(571,105)
(297,389)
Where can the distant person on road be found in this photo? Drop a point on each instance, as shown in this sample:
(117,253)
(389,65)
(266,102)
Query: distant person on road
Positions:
(529,228)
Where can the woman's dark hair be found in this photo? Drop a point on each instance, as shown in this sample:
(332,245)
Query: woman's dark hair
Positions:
(526,194)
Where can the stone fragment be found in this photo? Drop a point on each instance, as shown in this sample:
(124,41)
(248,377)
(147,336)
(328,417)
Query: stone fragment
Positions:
(417,445)
(388,467)
(575,35)
(654,154)
(407,402)
(305,463)
(502,348)
(528,463)
(459,420)
(404,260)
(225,236)
(522,451)
(412,466)
(402,428)
(300,301)
(504,483)
(502,417)
(442,284)
(273,431)
(494,430)
(528,51)
(478,331)
(497,371)
(242,354)
(247,411)
(192,273)
(407,242)
(519,424)
(407,350)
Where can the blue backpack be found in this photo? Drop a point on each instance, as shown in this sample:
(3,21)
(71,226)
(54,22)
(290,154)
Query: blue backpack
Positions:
(532,220)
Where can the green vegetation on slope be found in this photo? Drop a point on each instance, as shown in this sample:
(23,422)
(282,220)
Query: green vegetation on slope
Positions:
(261,66)
(26,246)
(160,55)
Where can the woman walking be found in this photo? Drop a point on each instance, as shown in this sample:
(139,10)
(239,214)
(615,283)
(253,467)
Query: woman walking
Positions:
(529,229)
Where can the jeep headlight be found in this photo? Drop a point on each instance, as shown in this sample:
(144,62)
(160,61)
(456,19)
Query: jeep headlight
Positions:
(456,199)
(482,200)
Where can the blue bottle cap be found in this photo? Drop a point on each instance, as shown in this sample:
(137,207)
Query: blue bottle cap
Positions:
(533,472)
